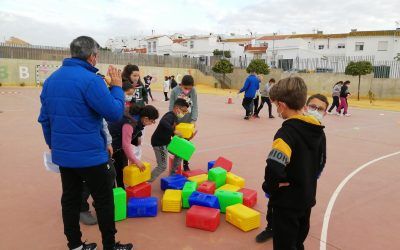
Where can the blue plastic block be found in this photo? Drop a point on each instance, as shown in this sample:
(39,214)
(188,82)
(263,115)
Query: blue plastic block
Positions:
(204,200)
(175,181)
(142,207)
(210,165)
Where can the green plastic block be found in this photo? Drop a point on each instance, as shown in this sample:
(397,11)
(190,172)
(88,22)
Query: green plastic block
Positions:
(119,204)
(217,175)
(187,190)
(182,148)
(228,198)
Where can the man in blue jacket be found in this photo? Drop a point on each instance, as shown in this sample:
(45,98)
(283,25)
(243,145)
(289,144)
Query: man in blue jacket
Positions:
(251,85)
(74,102)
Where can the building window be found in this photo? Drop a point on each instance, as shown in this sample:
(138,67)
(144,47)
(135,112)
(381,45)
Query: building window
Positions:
(359,46)
(149,46)
(154,46)
(320,46)
(383,45)
(191,44)
(341,46)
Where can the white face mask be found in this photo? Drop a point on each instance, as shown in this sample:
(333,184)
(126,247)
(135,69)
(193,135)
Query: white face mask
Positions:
(180,115)
(316,114)
(128,98)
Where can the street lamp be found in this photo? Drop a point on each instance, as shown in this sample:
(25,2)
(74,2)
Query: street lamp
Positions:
(273,48)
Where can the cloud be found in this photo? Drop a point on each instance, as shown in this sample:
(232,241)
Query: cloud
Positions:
(50,22)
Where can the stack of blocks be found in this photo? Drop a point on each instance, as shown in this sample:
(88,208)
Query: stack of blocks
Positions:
(208,195)
(138,202)
(172,201)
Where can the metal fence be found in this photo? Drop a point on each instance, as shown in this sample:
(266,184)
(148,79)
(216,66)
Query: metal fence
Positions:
(57,54)
(381,69)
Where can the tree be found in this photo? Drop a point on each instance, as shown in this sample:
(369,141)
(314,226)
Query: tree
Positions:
(259,66)
(226,53)
(358,69)
(223,67)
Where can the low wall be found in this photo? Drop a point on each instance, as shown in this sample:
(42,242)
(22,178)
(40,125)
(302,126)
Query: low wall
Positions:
(18,71)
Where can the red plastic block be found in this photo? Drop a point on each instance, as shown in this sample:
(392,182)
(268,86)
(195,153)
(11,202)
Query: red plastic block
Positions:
(223,163)
(193,172)
(205,218)
(249,197)
(207,187)
(139,191)
(171,163)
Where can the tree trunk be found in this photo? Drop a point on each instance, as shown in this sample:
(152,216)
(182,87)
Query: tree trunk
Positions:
(359,83)
(223,75)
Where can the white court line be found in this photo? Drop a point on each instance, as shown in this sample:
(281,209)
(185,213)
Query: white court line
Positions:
(335,194)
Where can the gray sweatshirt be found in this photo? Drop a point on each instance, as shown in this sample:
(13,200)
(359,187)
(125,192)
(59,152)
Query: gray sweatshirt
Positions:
(107,133)
(265,91)
(191,98)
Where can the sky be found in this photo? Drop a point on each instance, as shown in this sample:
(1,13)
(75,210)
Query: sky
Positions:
(57,23)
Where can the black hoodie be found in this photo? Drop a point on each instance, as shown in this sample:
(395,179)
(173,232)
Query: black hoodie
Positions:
(298,156)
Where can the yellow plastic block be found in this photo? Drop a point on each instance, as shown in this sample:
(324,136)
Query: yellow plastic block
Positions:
(234,180)
(172,201)
(229,187)
(187,129)
(133,176)
(199,178)
(243,217)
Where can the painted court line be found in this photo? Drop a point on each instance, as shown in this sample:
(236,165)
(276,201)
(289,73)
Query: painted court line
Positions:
(324,233)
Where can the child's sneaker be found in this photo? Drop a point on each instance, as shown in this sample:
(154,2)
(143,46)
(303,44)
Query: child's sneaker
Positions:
(89,246)
(347,114)
(119,246)
(264,235)
(271,116)
(246,118)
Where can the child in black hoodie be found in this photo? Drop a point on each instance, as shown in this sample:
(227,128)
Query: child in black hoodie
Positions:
(293,165)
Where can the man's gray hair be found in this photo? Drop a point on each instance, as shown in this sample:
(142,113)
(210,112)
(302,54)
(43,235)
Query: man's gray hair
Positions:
(83,47)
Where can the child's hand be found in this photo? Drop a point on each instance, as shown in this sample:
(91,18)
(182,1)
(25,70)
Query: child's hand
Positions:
(193,135)
(178,133)
(141,166)
(110,150)
(284,184)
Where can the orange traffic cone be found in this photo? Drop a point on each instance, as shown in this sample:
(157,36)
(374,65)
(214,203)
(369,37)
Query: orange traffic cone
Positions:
(230,100)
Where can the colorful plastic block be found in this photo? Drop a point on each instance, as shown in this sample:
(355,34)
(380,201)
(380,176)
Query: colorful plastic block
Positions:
(249,197)
(133,176)
(228,198)
(205,218)
(175,181)
(207,187)
(119,204)
(171,164)
(217,175)
(172,201)
(198,178)
(223,163)
(210,164)
(182,148)
(229,187)
(186,129)
(139,191)
(193,172)
(142,207)
(204,200)
(187,190)
(243,217)
(234,180)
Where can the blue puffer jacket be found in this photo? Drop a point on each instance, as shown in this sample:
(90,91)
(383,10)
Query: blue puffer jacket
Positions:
(251,85)
(74,102)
